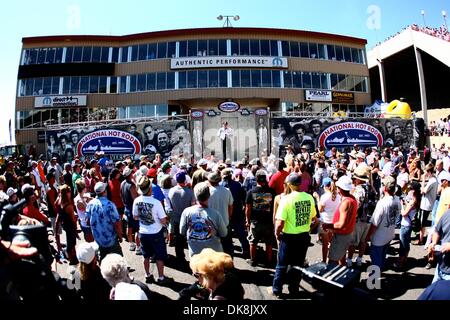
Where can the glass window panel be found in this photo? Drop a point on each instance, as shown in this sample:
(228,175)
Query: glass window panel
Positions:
(161,81)
(254,48)
(192,48)
(123,84)
(274,48)
(113,85)
(50,58)
(362,55)
(133,80)
(41,56)
(245,78)
(304,50)
(222,47)
(276,79)
(316,80)
(350,83)
(347,54)
(244,47)
(313,53)
(45,116)
(213,47)
(295,50)
(151,81)
(234,47)
(122,112)
(256,78)
(285,48)
(358,86)
(223,78)
(29,87)
(202,79)
(170,80)
(364,86)
(33,56)
(182,82)
(342,83)
(77,54)
(235,78)
(104,57)
(183,49)
(265,47)
(171,48)
(96,54)
(330,51)
(339,53)
(102,85)
(297,80)
(287,77)
(84,85)
(213,78)
(355,55)
(324,81)
(152,50)
(66,85)
(134,53)
(124,57)
(47,86)
(38,84)
(202,49)
(322,51)
(74,85)
(306,78)
(93,84)
(115,55)
(334,81)
(192,79)
(26,58)
(162,50)
(266,78)
(73,115)
(142,53)
(87,54)
(58,55)
(69,54)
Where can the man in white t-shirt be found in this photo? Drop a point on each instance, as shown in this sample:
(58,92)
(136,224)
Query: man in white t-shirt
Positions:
(152,220)
(429,192)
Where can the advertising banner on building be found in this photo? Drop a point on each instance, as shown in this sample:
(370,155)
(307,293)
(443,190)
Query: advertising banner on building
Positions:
(168,138)
(343,133)
(229,62)
(318,95)
(60,101)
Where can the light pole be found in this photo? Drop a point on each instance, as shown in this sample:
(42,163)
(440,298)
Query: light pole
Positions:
(444,14)
(423,17)
(227,22)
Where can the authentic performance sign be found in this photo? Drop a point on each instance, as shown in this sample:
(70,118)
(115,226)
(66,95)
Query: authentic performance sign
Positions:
(229,62)
(60,101)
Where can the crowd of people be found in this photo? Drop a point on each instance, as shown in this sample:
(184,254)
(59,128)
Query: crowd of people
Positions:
(439,128)
(354,201)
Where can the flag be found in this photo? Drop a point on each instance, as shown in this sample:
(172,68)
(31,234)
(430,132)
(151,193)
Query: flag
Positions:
(10,134)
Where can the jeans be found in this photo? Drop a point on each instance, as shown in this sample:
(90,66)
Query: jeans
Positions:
(115,248)
(291,252)
(238,224)
(227,242)
(405,240)
(439,275)
(378,255)
(180,241)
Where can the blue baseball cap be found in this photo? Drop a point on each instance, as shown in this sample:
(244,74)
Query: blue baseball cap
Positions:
(181,177)
(326,182)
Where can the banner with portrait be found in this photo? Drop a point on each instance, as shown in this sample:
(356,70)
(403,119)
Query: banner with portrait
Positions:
(168,138)
(343,133)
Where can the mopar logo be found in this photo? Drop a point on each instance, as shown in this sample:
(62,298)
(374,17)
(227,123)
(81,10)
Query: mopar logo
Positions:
(197,114)
(261,112)
(277,62)
(229,106)
(47,101)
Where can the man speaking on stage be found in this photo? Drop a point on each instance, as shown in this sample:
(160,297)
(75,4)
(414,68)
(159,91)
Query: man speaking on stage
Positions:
(225,134)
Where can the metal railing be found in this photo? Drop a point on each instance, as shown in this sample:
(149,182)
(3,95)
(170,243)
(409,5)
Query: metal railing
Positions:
(328,114)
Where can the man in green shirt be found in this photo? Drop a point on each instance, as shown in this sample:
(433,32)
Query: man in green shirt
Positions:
(75,176)
(295,216)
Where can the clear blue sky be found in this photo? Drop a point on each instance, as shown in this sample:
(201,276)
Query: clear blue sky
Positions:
(54,17)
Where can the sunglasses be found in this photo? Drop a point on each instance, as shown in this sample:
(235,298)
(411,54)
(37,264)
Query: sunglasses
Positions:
(196,275)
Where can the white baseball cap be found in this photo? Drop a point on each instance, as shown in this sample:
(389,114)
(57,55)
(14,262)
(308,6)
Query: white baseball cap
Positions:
(25,187)
(100,187)
(86,252)
(128,291)
(444,176)
(202,162)
(345,183)
(11,191)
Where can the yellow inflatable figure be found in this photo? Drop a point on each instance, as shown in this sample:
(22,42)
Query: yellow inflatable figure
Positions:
(398,109)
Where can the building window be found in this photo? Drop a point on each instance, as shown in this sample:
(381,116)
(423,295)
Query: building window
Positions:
(142,52)
(245,79)
(192,48)
(170,80)
(87,54)
(276,79)
(161,81)
(254,48)
(192,79)
(113,85)
(202,49)
(124,57)
(223,78)
(244,47)
(141,82)
(182,49)
(304,50)
(133,80)
(285,48)
(256,78)
(84,85)
(96,54)
(265,48)
(297,80)
(266,78)
(171,48)
(235,78)
(115,55)
(295,50)
(162,50)
(202,79)
(287,77)
(182,80)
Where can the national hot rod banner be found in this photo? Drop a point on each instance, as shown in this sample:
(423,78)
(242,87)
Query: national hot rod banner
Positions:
(168,138)
(343,133)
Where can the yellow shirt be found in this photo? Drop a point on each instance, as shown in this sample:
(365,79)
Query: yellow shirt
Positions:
(297,210)
(444,203)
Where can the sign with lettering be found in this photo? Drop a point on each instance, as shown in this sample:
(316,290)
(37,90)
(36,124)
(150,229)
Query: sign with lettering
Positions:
(229,62)
(343,97)
(350,133)
(60,101)
(229,106)
(318,95)
(110,141)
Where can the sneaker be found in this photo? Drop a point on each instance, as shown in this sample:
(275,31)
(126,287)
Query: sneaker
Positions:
(149,279)
(359,261)
(273,294)
(132,246)
(349,262)
(138,251)
(251,262)
(428,266)
(164,281)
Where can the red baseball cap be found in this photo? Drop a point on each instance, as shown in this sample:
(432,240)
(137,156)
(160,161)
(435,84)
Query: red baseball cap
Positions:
(152,173)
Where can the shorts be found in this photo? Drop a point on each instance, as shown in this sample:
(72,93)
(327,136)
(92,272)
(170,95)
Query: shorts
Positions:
(87,231)
(154,245)
(71,236)
(360,233)
(132,223)
(261,232)
(115,248)
(423,217)
(339,245)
